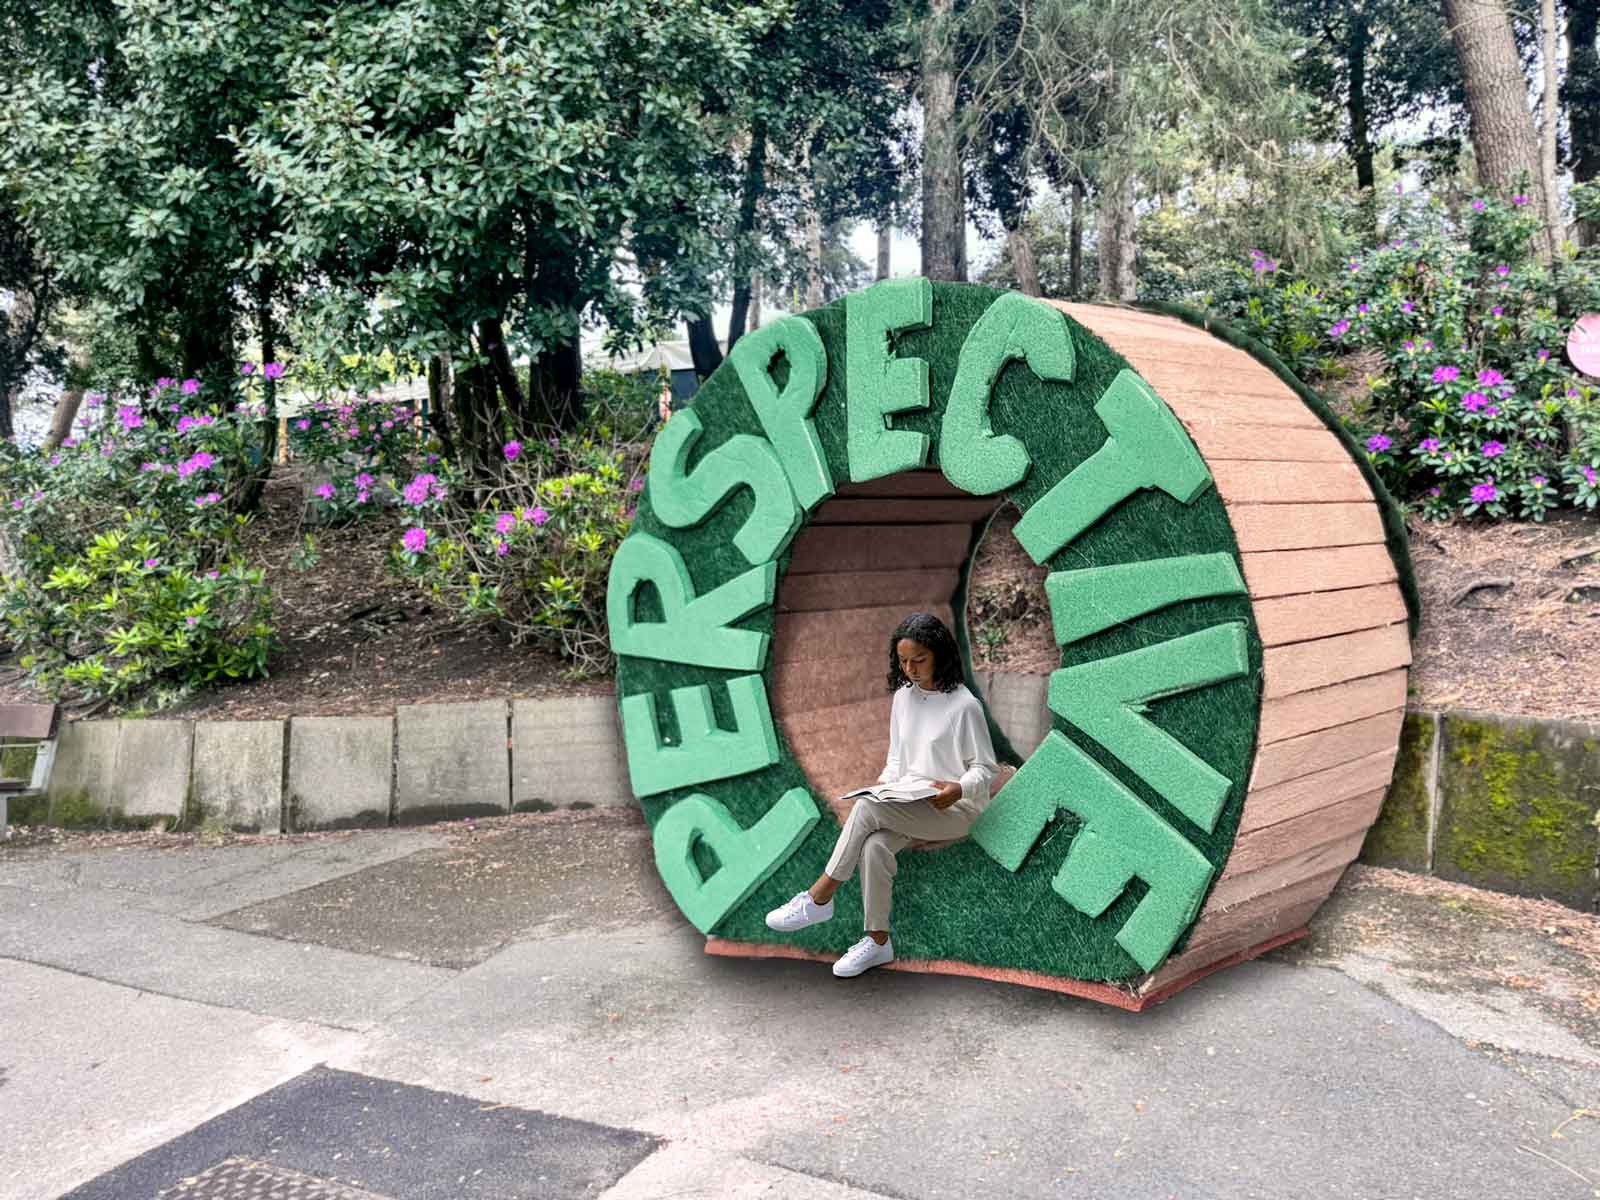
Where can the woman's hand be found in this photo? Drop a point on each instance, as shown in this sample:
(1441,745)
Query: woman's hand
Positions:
(949,793)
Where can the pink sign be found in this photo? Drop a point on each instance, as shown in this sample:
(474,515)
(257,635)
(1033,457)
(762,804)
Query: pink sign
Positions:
(1583,344)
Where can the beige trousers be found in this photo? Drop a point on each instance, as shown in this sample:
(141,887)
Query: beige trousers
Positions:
(876,831)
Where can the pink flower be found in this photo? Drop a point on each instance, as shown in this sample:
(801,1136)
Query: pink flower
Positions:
(1489,377)
(130,417)
(326,491)
(501,548)
(539,516)
(505,523)
(1445,374)
(1478,206)
(415,540)
(150,563)
(1519,201)
(1588,474)
(511,450)
(1493,449)
(247,368)
(303,424)
(191,386)
(273,370)
(1502,270)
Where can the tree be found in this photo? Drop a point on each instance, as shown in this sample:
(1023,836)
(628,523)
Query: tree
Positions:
(1503,137)
(1581,96)
(23,347)
(944,224)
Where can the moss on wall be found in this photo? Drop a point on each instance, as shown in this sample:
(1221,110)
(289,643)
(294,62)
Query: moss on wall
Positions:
(1518,807)
(1399,837)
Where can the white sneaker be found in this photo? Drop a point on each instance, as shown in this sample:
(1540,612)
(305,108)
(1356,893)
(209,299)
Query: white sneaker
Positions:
(863,956)
(798,913)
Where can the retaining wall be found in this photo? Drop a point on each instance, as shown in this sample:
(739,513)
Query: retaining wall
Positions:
(1510,803)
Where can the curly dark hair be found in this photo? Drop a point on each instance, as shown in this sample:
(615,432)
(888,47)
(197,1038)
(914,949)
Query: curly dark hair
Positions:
(931,632)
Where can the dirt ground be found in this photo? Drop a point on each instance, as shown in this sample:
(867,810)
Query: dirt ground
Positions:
(1511,623)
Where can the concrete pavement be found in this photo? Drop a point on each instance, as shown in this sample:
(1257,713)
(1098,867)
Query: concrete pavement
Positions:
(514,1008)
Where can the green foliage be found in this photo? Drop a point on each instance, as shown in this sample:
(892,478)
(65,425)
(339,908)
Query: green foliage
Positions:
(1470,407)
(125,565)
(532,553)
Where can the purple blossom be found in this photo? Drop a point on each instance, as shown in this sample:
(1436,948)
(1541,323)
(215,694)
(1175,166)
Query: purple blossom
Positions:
(247,368)
(1489,377)
(538,516)
(363,481)
(1502,270)
(1491,411)
(191,386)
(501,548)
(163,383)
(1588,474)
(1339,328)
(1473,401)
(1544,356)
(1483,493)
(213,574)
(191,620)
(1539,481)
(71,442)
(150,563)
(1435,491)
(94,399)
(208,498)
(1407,306)
(1497,311)
(1493,449)
(1409,345)
(1378,443)
(326,491)
(1519,201)
(303,424)
(1363,308)
(511,450)
(555,443)
(198,462)
(1428,445)
(55,460)
(415,540)
(273,370)
(505,523)
(416,492)
(1445,374)
(637,484)
(17,504)
(130,417)
(1478,206)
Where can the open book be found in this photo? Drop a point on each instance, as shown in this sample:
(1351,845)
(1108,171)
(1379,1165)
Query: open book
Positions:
(902,793)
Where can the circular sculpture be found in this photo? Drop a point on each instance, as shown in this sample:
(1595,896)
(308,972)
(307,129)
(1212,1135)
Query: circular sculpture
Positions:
(1224,586)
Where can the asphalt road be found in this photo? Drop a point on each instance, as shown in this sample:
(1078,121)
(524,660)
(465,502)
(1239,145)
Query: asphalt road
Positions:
(519,1011)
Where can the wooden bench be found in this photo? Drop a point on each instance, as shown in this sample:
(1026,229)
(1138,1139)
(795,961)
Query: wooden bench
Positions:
(26,727)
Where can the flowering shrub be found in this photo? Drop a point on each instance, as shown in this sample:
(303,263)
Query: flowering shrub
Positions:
(122,562)
(531,552)
(1474,410)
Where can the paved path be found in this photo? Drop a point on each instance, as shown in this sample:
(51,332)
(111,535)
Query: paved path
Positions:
(518,1011)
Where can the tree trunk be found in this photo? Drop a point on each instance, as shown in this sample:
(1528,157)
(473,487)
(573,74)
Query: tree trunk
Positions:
(1075,243)
(1022,261)
(755,183)
(255,487)
(524,415)
(755,300)
(1503,139)
(1549,118)
(703,346)
(61,422)
(477,411)
(1356,47)
(943,193)
(813,249)
(439,403)
(1582,98)
(8,403)
(1117,241)
(555,387)
(885,236)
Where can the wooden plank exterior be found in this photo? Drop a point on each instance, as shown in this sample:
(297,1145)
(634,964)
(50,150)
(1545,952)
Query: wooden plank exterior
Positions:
(1245,482)
(1293,757)
(1332,568)
(1303,666)
(1304,526)
(1312,615)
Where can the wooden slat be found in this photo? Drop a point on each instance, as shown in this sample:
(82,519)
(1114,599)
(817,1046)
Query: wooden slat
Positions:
(1335,854)
(1321,789)
(1218,923)
(1290,572)
(820,548)
(864,631)
(1225,400)
(1094,315)
(1310,752)
(1261,925)
(1273,844)
(927,482)
(1226,440)
(1289,716)
(916,510)
(1302,666)
(1304,526)
(1284,619)
(27,720)
(1206,366)
(1289,482)
(819,682)
(916,588)
(873,713)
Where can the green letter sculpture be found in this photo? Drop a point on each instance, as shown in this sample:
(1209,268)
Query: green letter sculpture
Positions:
(705,752)
(786,417)
(877,383)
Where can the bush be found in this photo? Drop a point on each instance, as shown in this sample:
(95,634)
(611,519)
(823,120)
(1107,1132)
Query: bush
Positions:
(122,552)
(1474,409)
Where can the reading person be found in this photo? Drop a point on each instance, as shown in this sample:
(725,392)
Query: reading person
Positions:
(939,748)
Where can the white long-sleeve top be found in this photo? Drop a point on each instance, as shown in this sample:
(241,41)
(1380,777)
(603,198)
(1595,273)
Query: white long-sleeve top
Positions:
(941,735)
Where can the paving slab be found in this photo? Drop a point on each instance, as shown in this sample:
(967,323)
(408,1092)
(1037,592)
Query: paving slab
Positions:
(1017,704)
(154,759)
(451,760)
(238,774)
(107,1072)
(83,778)
(456,904)
(98,934)
(341,772)
(568,751)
